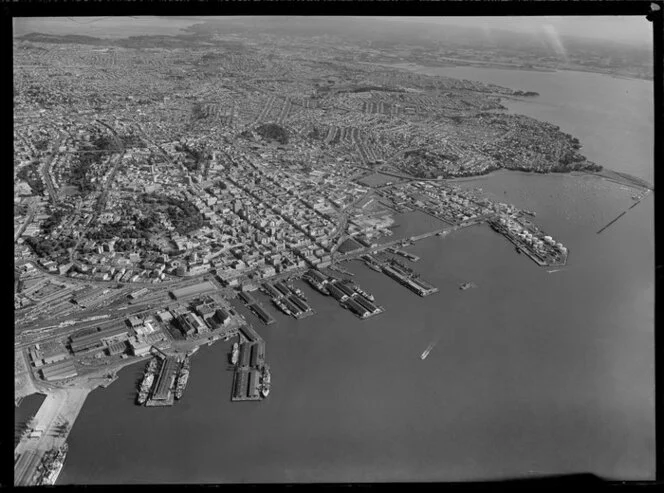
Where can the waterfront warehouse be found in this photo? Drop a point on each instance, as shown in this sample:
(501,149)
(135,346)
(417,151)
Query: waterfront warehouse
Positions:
(336,292)
(366,303)
(59,371)
(262,314)
(344,288)
(253,384)
(249,333)
(246,297)
(165,379)
(282,288)
(357,308)
(299,303)
(245,354)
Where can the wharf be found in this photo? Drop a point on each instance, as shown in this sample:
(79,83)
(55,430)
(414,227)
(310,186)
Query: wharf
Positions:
(352,300)
(246,385)
(523,248)
(162,394)
(261,313)
(340,270)
(404,254)
(288,300)
(412,282)
(60,406)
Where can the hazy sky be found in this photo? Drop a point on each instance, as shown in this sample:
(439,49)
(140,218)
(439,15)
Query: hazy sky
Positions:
(629,29)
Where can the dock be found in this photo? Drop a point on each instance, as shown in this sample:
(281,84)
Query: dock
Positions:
(403,275)
(162,394)
(288,300)
(60,406)
(245,385)
(247,375)
(540,259)
(404,254)
(261,313)
(353,300)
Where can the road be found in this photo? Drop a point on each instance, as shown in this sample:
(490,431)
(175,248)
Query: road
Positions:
(28,220)
(46,177)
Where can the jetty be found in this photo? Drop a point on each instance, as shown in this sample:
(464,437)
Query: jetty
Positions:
(406,277)
(288,299)
(162,395)
(250,369)
(47,432)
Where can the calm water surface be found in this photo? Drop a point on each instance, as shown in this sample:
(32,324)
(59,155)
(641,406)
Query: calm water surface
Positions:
(531,373)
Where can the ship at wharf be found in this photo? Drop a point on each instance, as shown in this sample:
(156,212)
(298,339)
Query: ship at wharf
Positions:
(182,377)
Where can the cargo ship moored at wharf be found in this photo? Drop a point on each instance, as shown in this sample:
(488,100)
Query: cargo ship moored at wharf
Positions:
(183,377)
(146,383)
(51,466)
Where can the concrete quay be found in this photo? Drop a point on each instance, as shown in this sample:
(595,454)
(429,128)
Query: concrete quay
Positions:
(50,429)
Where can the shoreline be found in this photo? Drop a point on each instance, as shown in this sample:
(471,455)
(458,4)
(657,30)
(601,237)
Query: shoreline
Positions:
(494,66)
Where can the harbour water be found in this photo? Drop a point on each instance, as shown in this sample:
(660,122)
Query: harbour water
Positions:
(612,117)
(532,373)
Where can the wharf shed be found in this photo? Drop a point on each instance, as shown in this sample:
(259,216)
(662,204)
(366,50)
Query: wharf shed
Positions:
(246,297)
(289,304)
(271,291)
(336,292)
(253,384)
(344,288)
(281,287)
(262,314)
(299,303)
(365,303)
(240,383)
(357,308)
(317,276)
(164,380)
(249,333)
(253,359)
(245,354)
(59,371)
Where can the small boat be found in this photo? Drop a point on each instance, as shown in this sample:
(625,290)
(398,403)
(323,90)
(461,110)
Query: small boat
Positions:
(467,285)
(426,352)
(235,354)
